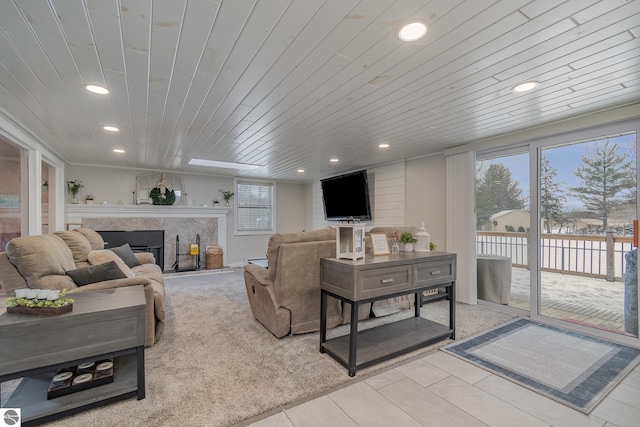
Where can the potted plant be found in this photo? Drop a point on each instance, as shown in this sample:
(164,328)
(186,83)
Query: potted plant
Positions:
(74,186)
(408,240)
(227,195)
(216,203)
(89,199)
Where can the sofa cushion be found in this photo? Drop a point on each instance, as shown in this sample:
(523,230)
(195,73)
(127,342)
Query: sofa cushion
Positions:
(106,255)
(79,245)
(151,272)
(126,254)
(10,277)
(42,260)
(96,273)
(94,238)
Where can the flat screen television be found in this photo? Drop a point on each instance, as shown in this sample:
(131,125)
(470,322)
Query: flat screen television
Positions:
(346,197)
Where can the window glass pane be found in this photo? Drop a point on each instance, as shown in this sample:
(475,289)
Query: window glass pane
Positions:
(588,193)
(10,214)
(255,207)
(502,224)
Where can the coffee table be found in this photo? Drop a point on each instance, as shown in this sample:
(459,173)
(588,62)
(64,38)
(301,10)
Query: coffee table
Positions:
(103,324)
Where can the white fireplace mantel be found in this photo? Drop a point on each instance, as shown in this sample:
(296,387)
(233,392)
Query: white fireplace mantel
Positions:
(75,212)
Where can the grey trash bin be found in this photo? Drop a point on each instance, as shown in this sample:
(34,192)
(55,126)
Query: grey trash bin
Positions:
(631,293)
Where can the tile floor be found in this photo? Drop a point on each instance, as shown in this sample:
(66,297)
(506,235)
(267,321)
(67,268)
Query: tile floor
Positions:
(441,390)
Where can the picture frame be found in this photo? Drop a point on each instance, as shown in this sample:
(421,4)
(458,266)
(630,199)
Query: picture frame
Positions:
(379,244)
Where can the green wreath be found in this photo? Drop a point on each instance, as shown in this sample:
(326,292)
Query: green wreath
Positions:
(157,198)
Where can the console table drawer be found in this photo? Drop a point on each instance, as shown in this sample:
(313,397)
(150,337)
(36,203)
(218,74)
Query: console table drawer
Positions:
(434,272)
(386,280)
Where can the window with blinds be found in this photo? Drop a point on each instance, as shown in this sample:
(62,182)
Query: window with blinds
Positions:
(254,211)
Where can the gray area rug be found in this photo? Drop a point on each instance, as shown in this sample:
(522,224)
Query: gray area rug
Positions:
(217,366)
(574,369)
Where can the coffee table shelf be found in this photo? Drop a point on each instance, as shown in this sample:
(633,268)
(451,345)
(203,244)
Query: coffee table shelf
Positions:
(31,393)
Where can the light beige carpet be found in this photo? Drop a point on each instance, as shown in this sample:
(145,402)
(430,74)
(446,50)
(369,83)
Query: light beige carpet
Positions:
(217,366)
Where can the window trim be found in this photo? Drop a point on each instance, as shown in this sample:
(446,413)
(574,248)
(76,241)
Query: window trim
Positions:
(236,183)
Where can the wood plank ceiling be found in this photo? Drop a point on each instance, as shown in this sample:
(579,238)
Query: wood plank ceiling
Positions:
(288,84)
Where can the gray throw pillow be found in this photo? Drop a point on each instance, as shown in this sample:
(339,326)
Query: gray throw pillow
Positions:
(96,273)
(126,254)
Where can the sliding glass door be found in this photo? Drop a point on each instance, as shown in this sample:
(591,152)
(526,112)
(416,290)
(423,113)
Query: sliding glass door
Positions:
(587,203)
(560,211)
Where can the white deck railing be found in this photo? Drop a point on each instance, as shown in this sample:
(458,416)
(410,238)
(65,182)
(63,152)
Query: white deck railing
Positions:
(601,256)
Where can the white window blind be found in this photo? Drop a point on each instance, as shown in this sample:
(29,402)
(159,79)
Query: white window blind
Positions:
(254,207)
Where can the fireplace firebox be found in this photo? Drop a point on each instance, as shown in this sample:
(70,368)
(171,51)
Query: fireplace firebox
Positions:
(139,241)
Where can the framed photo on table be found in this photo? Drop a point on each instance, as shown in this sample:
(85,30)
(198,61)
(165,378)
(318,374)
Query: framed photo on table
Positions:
(379,244)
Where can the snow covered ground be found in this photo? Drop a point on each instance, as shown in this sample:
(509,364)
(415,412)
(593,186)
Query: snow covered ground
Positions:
(574,290)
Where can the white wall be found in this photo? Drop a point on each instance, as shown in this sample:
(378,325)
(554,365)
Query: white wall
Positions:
(402,193)
(290,217)
(117,185)
(426,196)
(386,192)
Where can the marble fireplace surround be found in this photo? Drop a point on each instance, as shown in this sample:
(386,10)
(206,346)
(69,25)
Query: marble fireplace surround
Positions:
(185,221)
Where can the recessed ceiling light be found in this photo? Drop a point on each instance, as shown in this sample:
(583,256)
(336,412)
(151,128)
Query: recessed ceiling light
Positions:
(225,165)
(300,170)
(412,31)
(111,128)
(118,150)
(334,160)
(383,145)
(525,87)
(97,89)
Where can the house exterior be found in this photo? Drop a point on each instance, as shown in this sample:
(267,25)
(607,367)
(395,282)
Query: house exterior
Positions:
(509,220)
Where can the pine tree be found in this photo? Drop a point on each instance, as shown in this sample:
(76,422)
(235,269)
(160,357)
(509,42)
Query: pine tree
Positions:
(497,191)
(551,198)
(605,176)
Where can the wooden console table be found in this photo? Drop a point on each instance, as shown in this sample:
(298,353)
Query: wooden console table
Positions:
(381,277)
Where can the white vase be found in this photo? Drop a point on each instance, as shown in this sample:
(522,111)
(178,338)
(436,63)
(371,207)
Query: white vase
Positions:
(74,200)
(408,247)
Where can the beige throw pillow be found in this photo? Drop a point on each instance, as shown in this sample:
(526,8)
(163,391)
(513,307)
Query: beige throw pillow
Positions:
(105,255)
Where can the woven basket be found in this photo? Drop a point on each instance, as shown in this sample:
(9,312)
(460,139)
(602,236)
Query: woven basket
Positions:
(213,257)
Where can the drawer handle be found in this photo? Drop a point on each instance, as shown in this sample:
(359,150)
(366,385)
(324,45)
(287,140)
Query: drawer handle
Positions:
(433,273)
(385,281)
